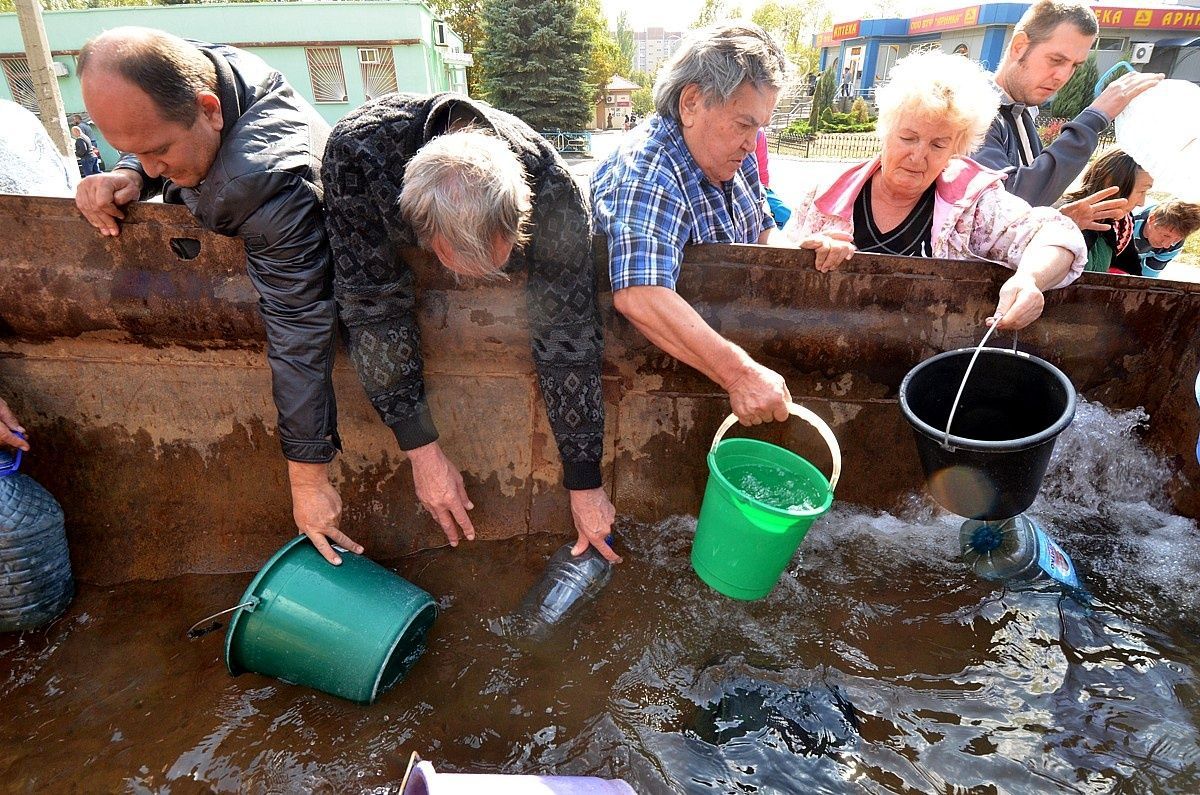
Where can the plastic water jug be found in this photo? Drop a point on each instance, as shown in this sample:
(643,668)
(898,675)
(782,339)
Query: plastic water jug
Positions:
(1015,549)
(35,570)
(567,584)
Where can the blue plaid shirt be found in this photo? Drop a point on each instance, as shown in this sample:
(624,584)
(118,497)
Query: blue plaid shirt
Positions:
(650,199)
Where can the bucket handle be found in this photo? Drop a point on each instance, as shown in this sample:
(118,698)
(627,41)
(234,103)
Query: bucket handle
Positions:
(15,464)
(1100,83)
(197,631)
(970,366)
(813,420)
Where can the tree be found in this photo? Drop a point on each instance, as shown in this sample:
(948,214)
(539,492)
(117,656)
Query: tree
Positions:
(604,59)
(465,18)
(626,43)
(1076,93)
(792,24)
(715,11)
(822,97)
(643,102)
(534,60)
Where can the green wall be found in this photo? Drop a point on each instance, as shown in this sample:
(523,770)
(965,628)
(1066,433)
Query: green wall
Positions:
(276,32)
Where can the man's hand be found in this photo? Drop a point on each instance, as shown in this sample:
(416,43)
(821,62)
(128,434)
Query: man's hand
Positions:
(441,491)
(593,514)
(1020,304)
(833,248)
(100,198)
(759,395)
(8,424)
(317,508)
(1117,95)
(1090,211)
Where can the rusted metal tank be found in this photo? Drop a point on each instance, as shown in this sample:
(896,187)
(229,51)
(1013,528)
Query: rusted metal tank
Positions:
(137,363)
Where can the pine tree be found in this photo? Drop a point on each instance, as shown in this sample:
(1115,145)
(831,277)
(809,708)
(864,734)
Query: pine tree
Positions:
(534,61)
(1076,93)
(822,98)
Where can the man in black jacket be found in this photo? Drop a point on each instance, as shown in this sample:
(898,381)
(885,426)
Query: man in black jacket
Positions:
(217,129)
(483,192)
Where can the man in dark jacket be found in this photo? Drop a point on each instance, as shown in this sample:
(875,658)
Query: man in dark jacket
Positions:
(1051,40)
(482,191)
(194,118)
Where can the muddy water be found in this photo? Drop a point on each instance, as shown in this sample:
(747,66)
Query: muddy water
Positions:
(878,665)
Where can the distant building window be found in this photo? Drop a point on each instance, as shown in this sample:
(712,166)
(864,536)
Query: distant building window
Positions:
(20,83)
(325,72)
(1112,43)
(378,71)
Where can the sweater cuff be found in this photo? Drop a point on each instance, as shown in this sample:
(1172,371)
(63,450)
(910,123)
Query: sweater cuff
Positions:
(1095,120)
(582,475)
(415,431)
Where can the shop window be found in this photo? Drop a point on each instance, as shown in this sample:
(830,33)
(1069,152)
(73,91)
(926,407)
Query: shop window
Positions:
(1111,43)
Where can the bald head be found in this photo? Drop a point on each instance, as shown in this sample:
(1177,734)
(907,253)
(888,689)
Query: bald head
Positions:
(172,72)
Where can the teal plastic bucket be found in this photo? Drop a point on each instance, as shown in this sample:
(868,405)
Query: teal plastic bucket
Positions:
(352,630)
(745,535)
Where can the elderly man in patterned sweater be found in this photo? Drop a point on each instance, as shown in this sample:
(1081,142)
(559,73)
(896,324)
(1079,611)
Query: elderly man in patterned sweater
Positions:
(485,193)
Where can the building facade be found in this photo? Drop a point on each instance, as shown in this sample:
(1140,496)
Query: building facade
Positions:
(652,46)
(1161,39)
(336,55)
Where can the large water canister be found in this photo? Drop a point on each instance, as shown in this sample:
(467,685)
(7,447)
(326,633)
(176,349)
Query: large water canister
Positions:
(35,570)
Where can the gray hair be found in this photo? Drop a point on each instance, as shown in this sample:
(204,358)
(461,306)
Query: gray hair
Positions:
(719,60)
(1042,18)
(954,89)
(469,188)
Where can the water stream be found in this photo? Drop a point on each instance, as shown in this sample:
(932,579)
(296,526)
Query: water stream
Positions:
(879,664)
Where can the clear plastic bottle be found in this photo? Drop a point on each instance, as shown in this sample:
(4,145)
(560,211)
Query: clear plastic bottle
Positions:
(568,583)
(1015,549)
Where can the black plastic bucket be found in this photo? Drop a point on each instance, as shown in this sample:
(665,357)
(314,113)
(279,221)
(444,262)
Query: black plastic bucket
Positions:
(1012,409)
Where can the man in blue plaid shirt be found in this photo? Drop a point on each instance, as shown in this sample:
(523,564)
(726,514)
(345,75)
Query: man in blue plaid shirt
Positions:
(688,175)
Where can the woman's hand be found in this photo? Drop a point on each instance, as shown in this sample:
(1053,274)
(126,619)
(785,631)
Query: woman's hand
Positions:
(832,249)
(1020,303)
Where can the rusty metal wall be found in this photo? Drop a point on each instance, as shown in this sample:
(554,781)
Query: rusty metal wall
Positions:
(142,377)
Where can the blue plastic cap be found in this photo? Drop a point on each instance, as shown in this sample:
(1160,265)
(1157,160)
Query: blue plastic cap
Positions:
(985,538)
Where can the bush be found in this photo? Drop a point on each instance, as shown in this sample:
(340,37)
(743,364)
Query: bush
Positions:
(859,111)
(1049,132)
(822,97)
(799,127)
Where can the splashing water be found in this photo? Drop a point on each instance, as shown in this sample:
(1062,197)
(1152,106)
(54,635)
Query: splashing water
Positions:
(878,664)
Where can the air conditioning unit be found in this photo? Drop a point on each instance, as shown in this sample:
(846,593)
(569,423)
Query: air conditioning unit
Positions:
(439,34)
(59,69)
(368,55)
(609,99)
(1142,51)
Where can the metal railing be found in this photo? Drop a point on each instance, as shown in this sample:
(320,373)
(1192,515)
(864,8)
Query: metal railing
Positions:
(570,143)
(1106,139)
(832,146)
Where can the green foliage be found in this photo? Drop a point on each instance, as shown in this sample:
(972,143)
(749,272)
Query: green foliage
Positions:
(535,60)
(791,22)
(715,11)
(799,127)
(626,43)
(643,79)
(465,17)
(822,97)
(643,102)
(605,53)
(1076,93)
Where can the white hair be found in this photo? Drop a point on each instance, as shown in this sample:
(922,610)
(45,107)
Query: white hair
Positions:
(468,187)
(951,88)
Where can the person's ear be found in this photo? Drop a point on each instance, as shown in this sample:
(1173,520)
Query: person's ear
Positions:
(1019,44)
(691,102)
(210,109)
(442,250)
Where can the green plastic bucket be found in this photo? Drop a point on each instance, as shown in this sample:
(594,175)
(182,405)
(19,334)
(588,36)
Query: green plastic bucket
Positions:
(742,543)
(352,630)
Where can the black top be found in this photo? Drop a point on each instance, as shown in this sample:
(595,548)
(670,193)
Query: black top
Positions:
(912,237)
(363,175)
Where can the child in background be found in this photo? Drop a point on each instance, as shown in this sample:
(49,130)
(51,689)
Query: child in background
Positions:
(1159,232)
(1112,169)
(779,210)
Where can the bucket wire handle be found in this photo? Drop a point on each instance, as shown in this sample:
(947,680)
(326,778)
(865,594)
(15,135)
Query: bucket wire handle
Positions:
(413,759)
(193,632)
(970,366)
(15,464)
(813,420)
(1100,83)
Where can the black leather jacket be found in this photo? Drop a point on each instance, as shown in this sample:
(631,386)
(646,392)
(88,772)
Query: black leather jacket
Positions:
(265,188)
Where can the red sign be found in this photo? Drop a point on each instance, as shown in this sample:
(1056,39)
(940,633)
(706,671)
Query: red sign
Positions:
(944,20)
(1156,18)
(846,30)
